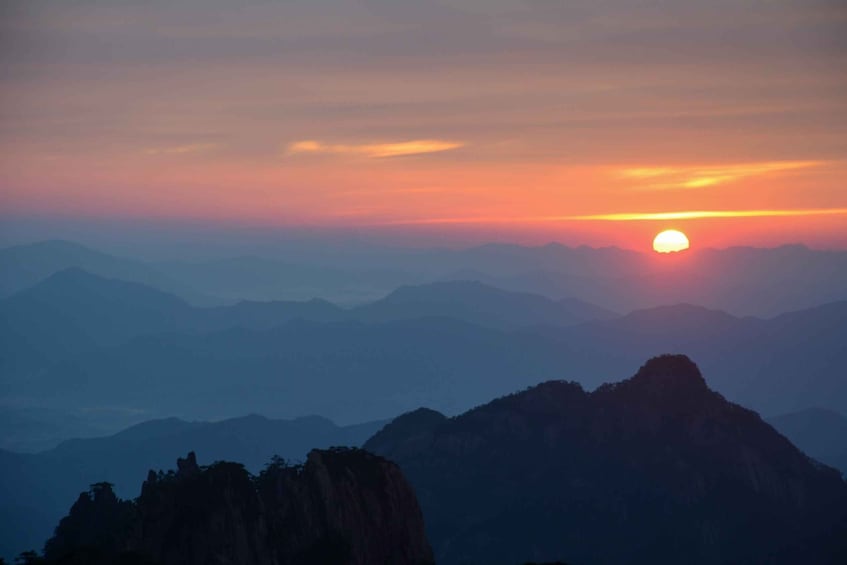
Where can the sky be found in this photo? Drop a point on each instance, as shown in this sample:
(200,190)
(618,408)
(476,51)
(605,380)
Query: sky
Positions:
(587,122)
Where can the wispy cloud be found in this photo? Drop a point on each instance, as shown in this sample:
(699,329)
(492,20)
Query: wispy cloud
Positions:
(628,216)
(182,149)
(374,150)
(698,214)
(704,176)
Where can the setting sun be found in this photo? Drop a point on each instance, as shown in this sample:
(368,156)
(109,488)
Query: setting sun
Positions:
(670,241)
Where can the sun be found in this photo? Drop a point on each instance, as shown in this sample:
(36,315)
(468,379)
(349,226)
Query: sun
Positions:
(670,241)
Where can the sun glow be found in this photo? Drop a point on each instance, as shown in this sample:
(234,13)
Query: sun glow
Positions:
(670,241)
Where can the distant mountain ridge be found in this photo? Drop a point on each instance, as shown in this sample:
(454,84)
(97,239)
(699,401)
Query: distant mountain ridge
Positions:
(23,266)
(481,304)
(64,341)
(653,469)
(743,280)
(73,312)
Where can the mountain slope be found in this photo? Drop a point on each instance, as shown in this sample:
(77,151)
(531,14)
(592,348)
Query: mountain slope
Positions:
(819,432)
(657,468)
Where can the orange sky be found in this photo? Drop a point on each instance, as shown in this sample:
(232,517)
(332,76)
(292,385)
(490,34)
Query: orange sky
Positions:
(520,120)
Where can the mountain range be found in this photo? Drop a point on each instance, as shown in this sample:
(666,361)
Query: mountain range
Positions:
(101,349)
(744,281)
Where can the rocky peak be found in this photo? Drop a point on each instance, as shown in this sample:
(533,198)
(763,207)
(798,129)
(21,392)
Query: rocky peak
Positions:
(343,506)
(97,519)
(670,371)
(667,384)
(187,467)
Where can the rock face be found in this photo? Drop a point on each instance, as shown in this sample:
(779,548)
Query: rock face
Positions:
(343,506)
(654,469)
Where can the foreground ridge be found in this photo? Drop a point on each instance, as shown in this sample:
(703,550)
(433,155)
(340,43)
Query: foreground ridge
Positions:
(341,506)
(654,469)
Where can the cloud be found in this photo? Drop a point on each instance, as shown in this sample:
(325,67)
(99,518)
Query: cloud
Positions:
(627,216)
(697,214)
(374,150)
(701,177)
(182,149)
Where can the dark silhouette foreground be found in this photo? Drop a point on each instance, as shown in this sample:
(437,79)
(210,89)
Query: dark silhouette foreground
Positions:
(343,506)
(654,469)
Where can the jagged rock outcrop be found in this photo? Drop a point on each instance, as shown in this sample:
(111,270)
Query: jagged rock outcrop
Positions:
(653,469)
(343,506)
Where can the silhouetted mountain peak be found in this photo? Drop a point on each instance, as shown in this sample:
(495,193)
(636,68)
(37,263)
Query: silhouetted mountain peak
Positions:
(545,399)
(419,423)
(659,446)
(418,420)
(670,372)
(187,467)
(667,386)
(419,416)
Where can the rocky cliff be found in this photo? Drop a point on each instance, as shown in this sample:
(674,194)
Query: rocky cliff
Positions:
(343,506)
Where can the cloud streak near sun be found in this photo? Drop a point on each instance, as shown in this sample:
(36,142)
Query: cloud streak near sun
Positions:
(373,150)
(704,214)
(705,176)
(632,216)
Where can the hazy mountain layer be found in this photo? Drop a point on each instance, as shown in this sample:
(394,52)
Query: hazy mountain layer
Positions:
(24,266)
(744,281)
(73,312)
(481,304)
(104,348)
